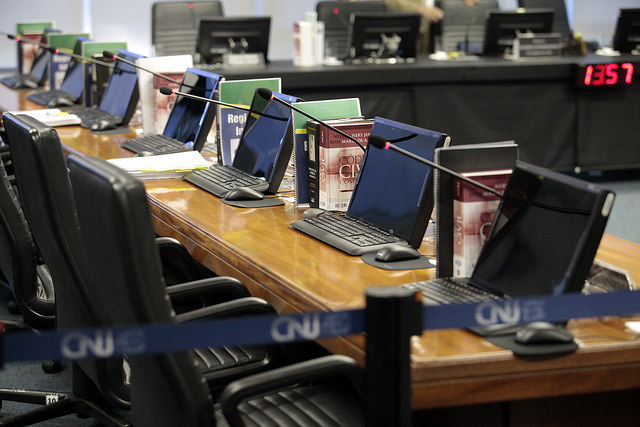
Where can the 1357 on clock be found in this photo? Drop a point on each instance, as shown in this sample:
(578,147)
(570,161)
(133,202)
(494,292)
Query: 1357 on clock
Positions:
(608,74)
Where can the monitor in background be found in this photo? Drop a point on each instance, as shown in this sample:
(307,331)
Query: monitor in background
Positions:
(336,16)
(72,83)
(120,97)
(502,26)
(383,37)
(626,37)
(218,36)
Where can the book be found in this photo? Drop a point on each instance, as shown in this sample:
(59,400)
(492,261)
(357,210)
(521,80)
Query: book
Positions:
(468,158)
(230,121)
(323,110)
(26,51)
(59,62)
(156,107)
(334,161)
(473,213)
(95,78)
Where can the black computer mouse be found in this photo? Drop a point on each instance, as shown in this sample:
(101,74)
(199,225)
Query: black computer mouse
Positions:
(59,101)
(312,212)
(144,154)
(102,125)
(243,193)
(543,333)
(397,253)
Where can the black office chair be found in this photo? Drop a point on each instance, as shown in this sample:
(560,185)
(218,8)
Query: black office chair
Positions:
(174,25)
(167,389)
(98,385)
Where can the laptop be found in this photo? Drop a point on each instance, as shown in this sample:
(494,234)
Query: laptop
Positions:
(189,120)
(543,239)
(70,90)
(393,196)
(263,151)
(36,75)
(120,97)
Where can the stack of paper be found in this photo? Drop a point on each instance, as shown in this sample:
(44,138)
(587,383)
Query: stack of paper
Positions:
(51,116)
(162,166)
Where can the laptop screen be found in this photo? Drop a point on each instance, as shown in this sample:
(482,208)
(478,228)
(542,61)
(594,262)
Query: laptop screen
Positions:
(188,115)
(122,84)
(393,191)
(261,151)
(545,234)
(72,83)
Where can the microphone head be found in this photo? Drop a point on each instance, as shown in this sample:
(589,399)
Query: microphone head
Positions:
(377,141)
(12,37)
(166,90)
(264,92)
(108,54)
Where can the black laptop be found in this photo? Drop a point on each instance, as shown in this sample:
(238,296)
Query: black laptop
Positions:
(393,196)
(543,239)
(70,90)
(262,155)
(120,97)
(36,75)
(189,120)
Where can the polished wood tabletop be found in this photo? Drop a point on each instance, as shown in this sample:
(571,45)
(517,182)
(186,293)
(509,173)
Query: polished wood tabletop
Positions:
(296,273)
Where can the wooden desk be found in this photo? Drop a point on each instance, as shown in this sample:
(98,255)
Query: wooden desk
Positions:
(296,273)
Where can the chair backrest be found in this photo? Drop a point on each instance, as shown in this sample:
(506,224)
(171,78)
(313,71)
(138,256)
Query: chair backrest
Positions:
(560,18)
(462,23)
(42,180)
(18,260)
(166,389)
(174,25)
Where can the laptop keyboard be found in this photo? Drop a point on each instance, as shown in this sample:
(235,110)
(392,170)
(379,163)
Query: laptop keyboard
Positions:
(219,179)
(91,115)
(353,230)
(450,291)
(157,144)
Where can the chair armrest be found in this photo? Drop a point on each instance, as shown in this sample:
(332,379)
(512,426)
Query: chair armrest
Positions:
(237,307)
(177,263)
(224,288)
(310,370)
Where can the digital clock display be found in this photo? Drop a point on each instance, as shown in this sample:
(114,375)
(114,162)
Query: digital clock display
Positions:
(603,75)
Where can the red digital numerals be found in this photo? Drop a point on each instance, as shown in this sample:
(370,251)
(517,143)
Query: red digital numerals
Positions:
(608,74)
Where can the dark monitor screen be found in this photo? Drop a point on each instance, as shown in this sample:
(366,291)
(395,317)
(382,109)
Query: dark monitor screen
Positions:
(627,33)
(189,117)
(266,142)
(336,16)
(545,234)
(39,68)
(72,83)
(122,86)
(503,25)
(392,190)
(383,35)
(220,35)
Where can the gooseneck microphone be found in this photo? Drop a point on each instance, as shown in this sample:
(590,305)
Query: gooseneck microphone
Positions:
(268,94)
(380,142)
(115,57)
(165,90)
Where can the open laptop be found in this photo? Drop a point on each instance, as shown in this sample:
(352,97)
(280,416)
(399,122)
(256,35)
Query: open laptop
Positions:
(70,90)
(393,196)
(542,242)
(262,155)
(189,120)
(120,97)
(36,75)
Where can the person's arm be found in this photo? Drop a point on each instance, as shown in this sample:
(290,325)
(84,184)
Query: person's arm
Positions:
(431,14)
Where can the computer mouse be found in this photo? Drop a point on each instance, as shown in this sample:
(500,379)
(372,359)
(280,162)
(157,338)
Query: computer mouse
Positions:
(397,253)
(543,333)
(144,154)
(312,213)
(243,193)
(59,101)
(102,125)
